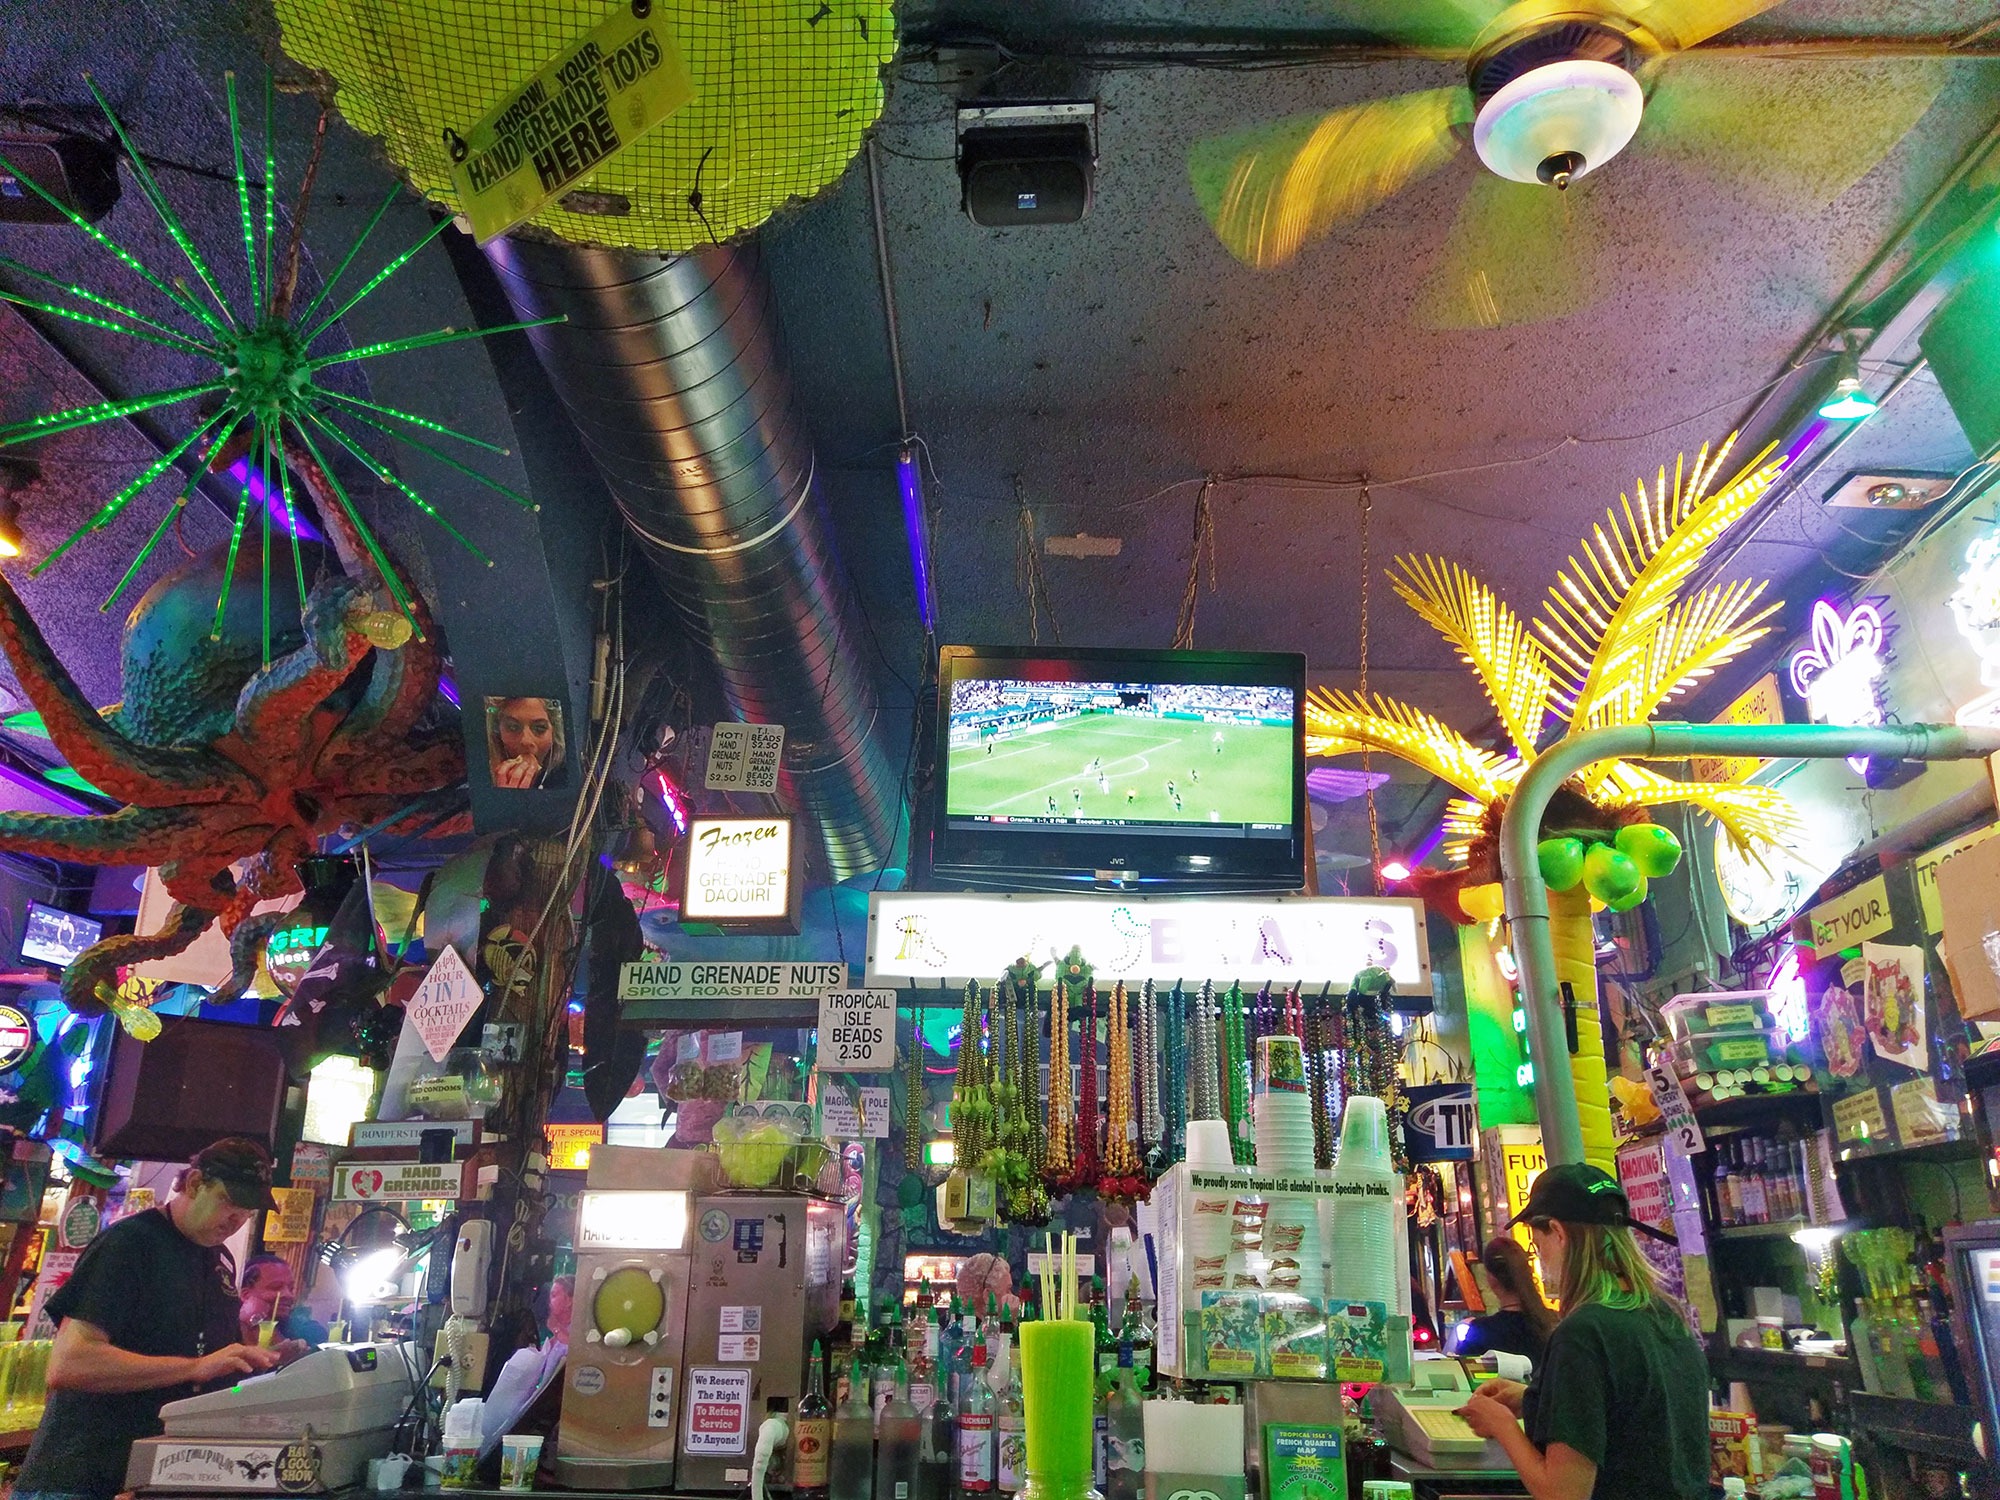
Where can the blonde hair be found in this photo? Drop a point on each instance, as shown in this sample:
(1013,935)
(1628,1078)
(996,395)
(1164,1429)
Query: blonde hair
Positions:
(558,747)
(1602,1264)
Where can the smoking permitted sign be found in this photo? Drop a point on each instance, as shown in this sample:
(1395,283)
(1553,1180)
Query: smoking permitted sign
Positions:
(857,1031)
(592,101)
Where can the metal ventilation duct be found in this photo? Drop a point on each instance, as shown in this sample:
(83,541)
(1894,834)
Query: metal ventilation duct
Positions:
(672,371)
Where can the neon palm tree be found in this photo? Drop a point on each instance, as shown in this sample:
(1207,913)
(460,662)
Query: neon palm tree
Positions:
(1618,636)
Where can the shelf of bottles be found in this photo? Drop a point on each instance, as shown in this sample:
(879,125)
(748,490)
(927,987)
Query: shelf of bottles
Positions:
(929,1400)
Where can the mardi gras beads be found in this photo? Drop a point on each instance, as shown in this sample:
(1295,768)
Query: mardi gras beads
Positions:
(1087,1154)
(1121,1145)
(1059,1158)
(1236,1077)
(913,1095)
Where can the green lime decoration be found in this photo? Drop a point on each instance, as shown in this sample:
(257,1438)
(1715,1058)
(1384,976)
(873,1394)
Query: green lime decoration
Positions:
(1609,875)
(1649,846)
(1630,899)
(1561,862)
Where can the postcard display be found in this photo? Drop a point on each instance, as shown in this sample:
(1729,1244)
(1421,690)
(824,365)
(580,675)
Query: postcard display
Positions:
(1243,1258)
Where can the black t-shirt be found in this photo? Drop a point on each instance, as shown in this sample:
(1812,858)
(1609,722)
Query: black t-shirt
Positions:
(1629,1391)
(153,1291)
(1507,1330)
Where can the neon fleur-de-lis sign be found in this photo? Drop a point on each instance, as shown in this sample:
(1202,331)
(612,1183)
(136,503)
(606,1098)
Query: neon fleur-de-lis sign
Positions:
(1840,673)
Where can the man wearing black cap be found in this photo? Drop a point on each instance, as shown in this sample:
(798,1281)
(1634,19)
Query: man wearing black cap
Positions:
(148,1316)
(1619,1405)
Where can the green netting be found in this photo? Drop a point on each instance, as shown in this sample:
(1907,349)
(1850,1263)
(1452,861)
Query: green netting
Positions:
(784,91)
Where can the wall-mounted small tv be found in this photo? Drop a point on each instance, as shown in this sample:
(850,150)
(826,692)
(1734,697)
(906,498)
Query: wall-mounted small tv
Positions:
(1160,768)
(53,936)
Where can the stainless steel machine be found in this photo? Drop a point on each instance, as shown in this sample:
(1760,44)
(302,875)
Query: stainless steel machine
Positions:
(308,1428)
(766,1284)
(691,1312)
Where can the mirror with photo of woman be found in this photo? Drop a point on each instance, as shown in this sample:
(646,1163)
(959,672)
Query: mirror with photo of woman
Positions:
(525,747)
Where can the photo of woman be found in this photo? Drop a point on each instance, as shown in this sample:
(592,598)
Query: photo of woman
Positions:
(524,743)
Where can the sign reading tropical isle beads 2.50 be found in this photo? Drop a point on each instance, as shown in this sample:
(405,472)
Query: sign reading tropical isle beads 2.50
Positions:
(925,937)
(595,99)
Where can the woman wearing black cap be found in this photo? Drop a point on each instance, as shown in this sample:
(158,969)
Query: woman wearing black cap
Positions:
(1618,1409)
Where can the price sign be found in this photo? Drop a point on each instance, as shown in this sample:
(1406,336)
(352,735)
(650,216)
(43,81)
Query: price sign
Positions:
(857,1031)
(1675,1109)
(745,757)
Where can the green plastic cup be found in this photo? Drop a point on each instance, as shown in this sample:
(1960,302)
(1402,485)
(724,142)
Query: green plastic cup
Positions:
(1057,1385)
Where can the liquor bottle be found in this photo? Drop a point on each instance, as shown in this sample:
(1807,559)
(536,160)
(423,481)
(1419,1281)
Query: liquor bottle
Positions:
(1124,1432)
(844,1328)
(975,1430)
(1725,1187)
(898,1438)
(1107,1348)
(1751,1183)
(1010,1434)
(1137,1332)
(951,1357)
(925,1378)
(937,1451)
(890,1371)
(851,1464)
(812,1436)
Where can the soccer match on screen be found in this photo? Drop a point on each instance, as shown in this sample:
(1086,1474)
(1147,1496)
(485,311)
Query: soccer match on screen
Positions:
(1175,753)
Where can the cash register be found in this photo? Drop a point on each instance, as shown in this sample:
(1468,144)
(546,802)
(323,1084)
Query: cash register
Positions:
(1420,1417)
(309,1427)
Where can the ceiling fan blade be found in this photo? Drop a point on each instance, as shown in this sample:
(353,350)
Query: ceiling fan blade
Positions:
(1681,24)
(1268,189)
(1798,134)
(1516,253)
(1447,26)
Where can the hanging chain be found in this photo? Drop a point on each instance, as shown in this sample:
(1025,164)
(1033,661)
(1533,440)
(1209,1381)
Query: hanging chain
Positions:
(1204,541)
(1374,822)
(1028,572)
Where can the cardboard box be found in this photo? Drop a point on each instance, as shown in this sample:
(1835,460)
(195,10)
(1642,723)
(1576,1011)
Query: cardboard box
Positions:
(1969,896)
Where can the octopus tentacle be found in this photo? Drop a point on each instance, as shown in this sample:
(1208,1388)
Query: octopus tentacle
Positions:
(144,775)
(92,980)
(246,949)
(130,836)
(276,711)
(423,768)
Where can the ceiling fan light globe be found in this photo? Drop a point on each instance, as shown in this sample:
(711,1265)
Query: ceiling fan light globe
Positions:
(1589,110)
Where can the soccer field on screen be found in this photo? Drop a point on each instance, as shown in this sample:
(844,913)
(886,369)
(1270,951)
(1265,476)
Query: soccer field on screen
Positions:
(1248,781)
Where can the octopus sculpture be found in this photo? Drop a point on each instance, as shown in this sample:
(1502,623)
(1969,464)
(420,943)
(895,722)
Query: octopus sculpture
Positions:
(231,770)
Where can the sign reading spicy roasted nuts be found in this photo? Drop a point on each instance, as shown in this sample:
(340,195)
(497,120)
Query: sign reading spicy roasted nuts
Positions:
(741,870)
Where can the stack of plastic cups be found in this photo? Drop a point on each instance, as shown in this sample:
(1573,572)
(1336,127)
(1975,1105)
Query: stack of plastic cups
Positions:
(1361,1236)
(1281,1111)
(1208,1222)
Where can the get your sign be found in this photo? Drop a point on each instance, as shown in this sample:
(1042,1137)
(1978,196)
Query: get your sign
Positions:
(857,1031)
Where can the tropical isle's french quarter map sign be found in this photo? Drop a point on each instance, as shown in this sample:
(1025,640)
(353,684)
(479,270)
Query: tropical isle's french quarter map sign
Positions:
(554,131)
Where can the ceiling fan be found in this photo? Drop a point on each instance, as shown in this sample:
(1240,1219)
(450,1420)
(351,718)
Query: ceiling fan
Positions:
(1554,90)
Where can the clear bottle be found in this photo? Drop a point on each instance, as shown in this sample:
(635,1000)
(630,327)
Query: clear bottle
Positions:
(951,1356)
(925,1376)
(890,1371)
(812,1436)
(1124,1432)
(898,1445)
(1010,1434)
(975,1429)
(937,1451)
(851,1463)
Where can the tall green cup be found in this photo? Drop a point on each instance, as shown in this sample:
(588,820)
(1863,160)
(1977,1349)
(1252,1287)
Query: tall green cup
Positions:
(1057,1388)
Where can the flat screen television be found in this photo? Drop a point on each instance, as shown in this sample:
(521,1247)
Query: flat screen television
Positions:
(51,935)
(1158,768)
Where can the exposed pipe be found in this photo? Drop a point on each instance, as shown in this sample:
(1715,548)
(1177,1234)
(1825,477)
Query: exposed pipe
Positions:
(1527,897)
(673,373)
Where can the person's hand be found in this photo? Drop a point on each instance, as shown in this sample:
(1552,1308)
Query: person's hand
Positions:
(232,1360)
(518,773)
(288,1350)
(1507,1392)
(1488,1416)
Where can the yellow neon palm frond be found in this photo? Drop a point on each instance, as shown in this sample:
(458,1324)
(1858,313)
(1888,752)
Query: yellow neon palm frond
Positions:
(1696,636)
(1749,814)
(1339,723)
(1464,823)
(1492,639)
(1601,611)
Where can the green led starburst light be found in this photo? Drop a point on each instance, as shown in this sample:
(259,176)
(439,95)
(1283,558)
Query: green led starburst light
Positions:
(262,400)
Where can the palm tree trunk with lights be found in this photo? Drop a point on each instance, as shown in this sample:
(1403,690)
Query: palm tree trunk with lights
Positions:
(1576,968)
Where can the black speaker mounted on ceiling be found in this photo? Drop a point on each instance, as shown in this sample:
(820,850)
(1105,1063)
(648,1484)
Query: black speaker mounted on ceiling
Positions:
(77,171)
(1027,163)
(193,1084)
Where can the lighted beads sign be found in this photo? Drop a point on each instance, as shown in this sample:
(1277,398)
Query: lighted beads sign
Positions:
(1839,673)
(1975,606)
